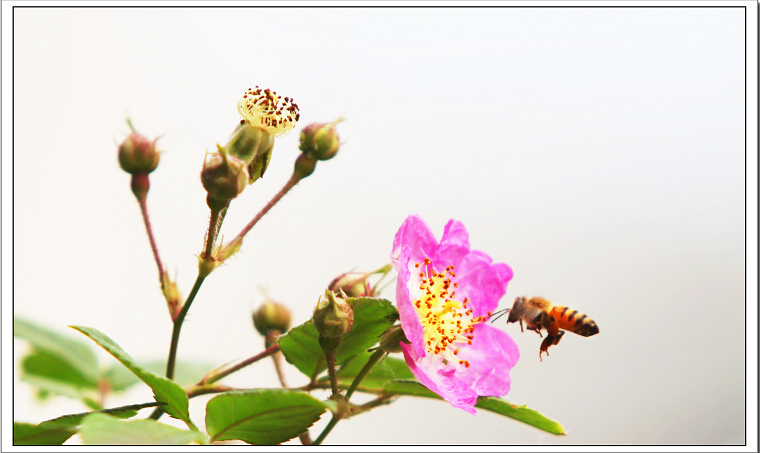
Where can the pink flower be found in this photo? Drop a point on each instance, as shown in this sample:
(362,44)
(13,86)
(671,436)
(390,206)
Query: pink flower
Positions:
(445,293)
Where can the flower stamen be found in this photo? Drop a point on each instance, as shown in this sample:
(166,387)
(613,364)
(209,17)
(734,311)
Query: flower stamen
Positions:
(446,321)
(262,108)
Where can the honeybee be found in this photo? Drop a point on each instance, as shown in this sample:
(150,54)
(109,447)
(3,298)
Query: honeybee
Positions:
(539,313)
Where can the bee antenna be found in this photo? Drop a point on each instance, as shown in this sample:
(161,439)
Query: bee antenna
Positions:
(498,314)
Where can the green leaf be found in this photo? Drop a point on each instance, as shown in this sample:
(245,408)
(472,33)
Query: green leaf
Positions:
(521,413)
(164,390)
(102,429)
(386,370)
(58,430)
(262,417)
(52,374)
(119,378)
(29,434)
(409,388)
(57,357)
(497,405)
(372,317)
(72,420)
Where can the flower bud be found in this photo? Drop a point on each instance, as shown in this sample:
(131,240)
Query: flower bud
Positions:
(271,316)
(223,176)
(137,154)
(304,167)
(333,316)
(390,339)
(356,284)
(253,145)
(352,284)
(320,140)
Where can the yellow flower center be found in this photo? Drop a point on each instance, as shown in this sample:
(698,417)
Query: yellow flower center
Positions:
(262,108)
(447,323)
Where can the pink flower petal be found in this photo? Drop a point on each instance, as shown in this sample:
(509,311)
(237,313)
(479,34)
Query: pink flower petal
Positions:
(492,352)
(441,379)
(455,370)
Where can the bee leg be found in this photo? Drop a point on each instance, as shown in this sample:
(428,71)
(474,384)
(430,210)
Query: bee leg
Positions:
(545,346)
(521,326)
(550,340)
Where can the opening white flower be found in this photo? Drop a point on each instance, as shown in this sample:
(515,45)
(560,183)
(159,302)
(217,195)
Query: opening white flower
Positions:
(263,108)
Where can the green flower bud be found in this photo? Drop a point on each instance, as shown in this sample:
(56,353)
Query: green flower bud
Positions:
(305,166)
(333,316)
(352,284)
(138,155)
(271,316)
(253,145)
(320,140)
(356,284)
(223,176)
(389,341)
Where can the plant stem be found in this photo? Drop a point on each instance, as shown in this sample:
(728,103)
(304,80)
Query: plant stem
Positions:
(218,210)
(305,438)
(373,359)
(379,401)
(196,390)
(142,201)
(288,185)
(272,338)
(330,357)
(170,362)
(178,326)
(215,377)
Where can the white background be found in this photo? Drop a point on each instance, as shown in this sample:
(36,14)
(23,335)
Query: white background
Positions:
(600,152)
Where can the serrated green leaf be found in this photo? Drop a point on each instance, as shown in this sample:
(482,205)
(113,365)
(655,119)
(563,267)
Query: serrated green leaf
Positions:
(492,404)
(261,417)
(78,357)
(164,390)
(30,434)
(372,316)
(102,429)
(72,420)
(58,430)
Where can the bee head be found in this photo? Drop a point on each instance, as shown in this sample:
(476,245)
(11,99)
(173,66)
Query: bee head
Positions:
(517,310)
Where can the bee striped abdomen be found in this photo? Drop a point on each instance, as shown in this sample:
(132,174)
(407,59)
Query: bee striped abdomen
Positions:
(575,321)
